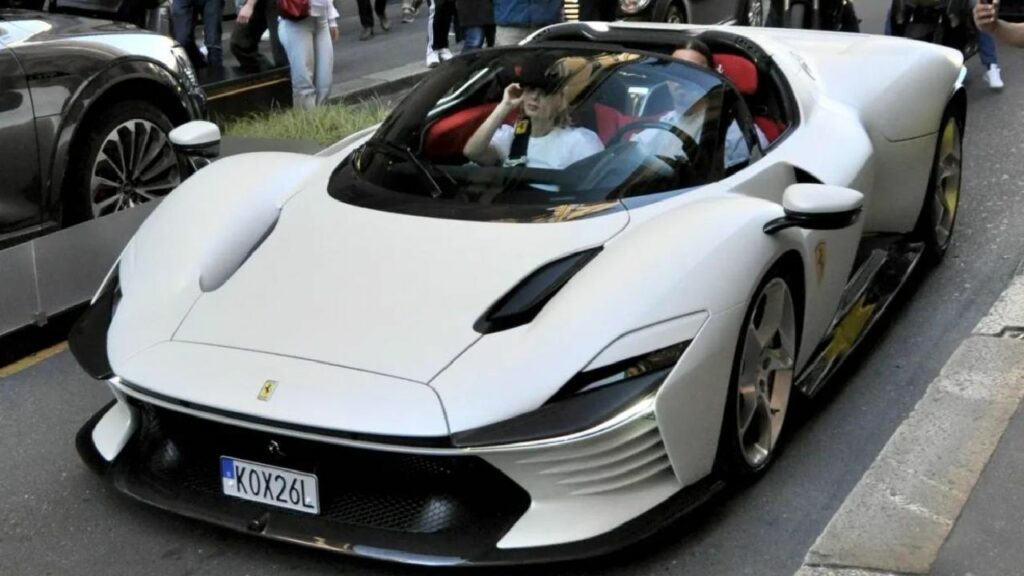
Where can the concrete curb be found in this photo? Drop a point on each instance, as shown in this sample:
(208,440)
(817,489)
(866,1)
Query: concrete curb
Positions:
(898,516)
(379,84)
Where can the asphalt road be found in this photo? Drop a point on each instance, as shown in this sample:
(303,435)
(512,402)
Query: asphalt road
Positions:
(56,518)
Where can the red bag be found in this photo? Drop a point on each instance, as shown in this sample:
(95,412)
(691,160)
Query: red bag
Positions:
(294,10)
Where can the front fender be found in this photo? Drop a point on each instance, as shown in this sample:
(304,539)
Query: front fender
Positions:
(189,99)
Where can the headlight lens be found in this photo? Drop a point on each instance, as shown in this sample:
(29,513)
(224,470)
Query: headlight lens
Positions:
(633,6)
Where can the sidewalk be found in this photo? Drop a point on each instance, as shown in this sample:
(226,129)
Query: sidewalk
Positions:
(944,496)
(387,62)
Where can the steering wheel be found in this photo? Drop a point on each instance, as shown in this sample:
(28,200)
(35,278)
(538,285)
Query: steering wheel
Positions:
(690,146)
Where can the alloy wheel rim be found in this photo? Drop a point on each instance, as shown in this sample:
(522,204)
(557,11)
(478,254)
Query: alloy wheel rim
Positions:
(755,12)
(136,163)
(946,193)
(675,16)
(766,373)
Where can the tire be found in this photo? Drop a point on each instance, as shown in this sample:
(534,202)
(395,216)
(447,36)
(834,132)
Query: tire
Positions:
(102,180)
(797,15)
(761,381)
(937,219)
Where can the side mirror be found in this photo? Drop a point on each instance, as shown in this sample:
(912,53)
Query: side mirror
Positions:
(817,207)
(198,142)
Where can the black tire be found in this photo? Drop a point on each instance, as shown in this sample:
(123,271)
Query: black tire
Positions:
(139,122)
(797,15)
(934,228)
(734,458)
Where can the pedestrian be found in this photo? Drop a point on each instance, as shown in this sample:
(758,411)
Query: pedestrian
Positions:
(474,17)
(366,17)
(410,8)
(183,15)
(987,53)
(986,16)
(598,10)
(517,19)
(439,23)
(308,43)
(254,18)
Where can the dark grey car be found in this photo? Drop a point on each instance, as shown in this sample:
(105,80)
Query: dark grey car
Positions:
(85,108)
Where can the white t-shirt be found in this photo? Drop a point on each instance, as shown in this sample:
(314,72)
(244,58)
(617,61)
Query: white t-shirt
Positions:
(555,150)
(664,143)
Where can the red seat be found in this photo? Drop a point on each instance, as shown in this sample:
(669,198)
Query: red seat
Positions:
(446,137)
(743,74)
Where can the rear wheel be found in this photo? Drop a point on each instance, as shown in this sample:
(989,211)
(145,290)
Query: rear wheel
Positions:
(762,378)
(125,159)
(941,203)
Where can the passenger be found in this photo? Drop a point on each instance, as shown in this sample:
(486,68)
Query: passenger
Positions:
(539,95)
(689,117)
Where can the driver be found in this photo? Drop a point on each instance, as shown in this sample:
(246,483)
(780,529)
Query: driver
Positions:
(689,116)
(543,137)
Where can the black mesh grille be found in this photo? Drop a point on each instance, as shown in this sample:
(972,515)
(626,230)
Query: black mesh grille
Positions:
(448,499)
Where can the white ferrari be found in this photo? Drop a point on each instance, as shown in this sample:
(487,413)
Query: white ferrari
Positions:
(390,351)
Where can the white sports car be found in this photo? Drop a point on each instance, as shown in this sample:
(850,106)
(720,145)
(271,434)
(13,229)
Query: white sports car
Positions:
(388,351)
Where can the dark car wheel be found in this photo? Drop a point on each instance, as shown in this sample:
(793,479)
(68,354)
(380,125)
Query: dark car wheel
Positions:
(126,159)
(762,377)
(938,214)
(754,13)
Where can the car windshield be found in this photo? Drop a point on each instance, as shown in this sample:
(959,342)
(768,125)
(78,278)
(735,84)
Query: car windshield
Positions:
(554,130)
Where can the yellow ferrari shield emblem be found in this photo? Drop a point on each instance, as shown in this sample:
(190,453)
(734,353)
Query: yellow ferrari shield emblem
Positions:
(267,390)
(522,125)
(819,260)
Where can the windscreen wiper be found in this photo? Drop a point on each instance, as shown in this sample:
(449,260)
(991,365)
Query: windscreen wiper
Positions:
(406,151)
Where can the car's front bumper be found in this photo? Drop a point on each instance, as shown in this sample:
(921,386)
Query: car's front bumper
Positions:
(576,496)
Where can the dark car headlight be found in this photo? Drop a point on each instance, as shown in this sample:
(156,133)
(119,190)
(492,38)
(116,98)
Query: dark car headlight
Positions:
(88,337)
(587,400)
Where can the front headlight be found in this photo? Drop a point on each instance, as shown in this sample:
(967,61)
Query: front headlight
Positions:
(633,6)
(589,399)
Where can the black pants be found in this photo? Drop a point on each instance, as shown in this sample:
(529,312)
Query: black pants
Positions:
(245,38)
(598,10)
(444,19)
(366,14)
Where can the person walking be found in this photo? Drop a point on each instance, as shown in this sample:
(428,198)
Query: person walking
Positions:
(254,18)
(517,19)
(410,8)
(439,23)
(183,15)
(366,17)
(474,16)
(987,54)
(308,43)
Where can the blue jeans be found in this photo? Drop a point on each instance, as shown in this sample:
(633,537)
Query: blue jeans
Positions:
(473,38)
(311,56)
(183,16)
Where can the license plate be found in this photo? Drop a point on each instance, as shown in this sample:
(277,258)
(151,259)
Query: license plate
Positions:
(269,484)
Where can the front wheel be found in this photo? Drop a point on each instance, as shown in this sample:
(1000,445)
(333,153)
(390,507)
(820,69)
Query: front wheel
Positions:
(942,200)
(125,159)
(762,378)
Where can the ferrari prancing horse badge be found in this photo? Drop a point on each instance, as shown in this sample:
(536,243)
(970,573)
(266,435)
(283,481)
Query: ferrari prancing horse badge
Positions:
(819,260)
(267,390)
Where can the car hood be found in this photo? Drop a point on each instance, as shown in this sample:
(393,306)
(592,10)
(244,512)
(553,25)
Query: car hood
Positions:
(327,282)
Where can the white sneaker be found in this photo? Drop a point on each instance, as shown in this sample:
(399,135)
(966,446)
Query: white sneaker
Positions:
(995,81)
(433,59)
(446,54)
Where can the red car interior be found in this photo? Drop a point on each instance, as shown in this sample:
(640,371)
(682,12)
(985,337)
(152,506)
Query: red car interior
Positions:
(446,137)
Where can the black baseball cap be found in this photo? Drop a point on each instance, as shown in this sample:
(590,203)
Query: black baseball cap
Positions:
(536,71)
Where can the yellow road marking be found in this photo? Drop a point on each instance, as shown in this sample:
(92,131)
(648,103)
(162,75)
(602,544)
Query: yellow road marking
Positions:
(32,360)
